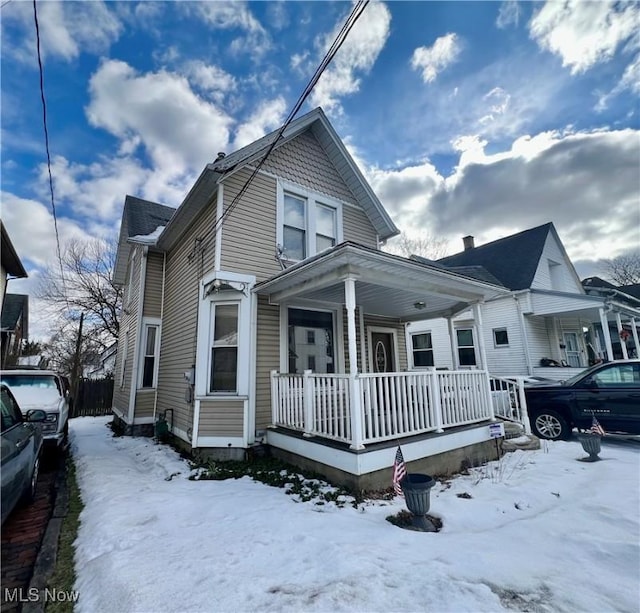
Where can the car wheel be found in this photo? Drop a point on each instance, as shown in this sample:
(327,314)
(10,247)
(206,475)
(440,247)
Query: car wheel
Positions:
(30,493)
(551,425)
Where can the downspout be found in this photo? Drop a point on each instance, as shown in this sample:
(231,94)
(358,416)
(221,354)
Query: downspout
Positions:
(136,347)
(523,332)
(219,213)
(453,343)
(164,272)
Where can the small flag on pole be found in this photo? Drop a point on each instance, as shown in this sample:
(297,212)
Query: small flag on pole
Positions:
(399,471)
(596,428)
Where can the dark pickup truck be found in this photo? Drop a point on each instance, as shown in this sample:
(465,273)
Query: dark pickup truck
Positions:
(609,392)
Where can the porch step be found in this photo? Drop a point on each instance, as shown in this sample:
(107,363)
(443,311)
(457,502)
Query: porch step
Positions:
(512,430)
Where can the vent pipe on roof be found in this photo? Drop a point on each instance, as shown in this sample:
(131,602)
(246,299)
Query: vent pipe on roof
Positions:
(221,155)
(468,242)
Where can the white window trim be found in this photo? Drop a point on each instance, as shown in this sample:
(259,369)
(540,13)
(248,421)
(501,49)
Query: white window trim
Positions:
(474,346)
(312,199)
(203,352)
(147,322)
(394,340)
(411,349)
(493,334)
(123,360)
(338,337)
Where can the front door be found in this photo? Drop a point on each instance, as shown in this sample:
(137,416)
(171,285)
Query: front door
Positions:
(383,352)
(572,349)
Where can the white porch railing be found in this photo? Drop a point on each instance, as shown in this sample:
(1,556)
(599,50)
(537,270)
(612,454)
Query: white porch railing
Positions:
(509,401)
(388,405)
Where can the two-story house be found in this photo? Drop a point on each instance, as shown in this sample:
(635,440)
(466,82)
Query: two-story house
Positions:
(265,312)
(547,325)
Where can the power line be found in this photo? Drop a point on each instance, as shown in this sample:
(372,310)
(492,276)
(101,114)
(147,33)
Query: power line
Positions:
(46,143)
(353,17)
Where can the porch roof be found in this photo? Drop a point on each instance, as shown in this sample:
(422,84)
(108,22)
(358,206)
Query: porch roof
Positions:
(386,284)
(546,302)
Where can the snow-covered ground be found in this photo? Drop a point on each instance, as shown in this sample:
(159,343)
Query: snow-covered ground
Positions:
(541,532)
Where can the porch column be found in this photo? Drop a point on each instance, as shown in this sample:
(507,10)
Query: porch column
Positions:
(604,322)
(354,381)
(454,343)
(477,316)
(634,331)
(623,345)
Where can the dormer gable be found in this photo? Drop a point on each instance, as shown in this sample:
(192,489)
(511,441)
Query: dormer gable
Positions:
(555,271)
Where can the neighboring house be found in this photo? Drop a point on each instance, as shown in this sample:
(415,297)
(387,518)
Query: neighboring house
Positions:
(276,318)
(15,327)
(12,323)
(106,364)
(546,320)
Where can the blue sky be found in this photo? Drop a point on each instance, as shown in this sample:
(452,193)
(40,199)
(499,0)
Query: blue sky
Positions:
(480,118)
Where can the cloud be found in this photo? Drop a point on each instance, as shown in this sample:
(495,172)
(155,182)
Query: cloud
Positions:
(235,16)
(584,33)
(67,29)
(355,58)
(267,117)
(509,14)
(433,60)
(210,79)
(178,130)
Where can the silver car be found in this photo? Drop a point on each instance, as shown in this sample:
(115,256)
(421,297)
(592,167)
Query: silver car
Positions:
(21,442)
(45,390)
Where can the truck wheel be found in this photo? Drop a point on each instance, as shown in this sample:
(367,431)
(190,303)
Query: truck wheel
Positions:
(551,425)
(29,495)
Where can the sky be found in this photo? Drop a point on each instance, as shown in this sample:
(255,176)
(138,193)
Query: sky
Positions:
(481,118)
(536,531)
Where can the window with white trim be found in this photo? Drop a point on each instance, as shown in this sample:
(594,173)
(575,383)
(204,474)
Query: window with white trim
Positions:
(308,222)
(223,365)
(500,337)
(422,347)
(466,349)
(148,374)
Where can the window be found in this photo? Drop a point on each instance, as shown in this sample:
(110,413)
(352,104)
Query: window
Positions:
(224,348)
(422,349)
(123,363)
(311,337)
(500,337)
(620,375)
(466,351)
(308,222)
(317,356)
(150,352)
(11,414)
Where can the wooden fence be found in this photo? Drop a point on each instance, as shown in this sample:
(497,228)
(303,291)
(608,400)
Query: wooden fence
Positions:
(94,398)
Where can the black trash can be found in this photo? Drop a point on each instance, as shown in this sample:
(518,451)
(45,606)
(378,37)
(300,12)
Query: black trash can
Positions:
(416,488)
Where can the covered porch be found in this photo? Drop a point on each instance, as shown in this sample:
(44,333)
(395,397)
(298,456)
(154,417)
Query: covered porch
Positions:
(584,330)
(373,399)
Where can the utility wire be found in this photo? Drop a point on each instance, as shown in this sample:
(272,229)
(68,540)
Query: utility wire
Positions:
(46,143)
(353,17)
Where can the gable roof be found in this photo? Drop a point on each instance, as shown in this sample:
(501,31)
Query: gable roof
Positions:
(10,260)
(139,218)
(513,260)
(317,122)
(631,290)
(597,282)
(13,307)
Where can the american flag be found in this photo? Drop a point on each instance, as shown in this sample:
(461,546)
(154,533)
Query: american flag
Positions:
(399,471)
(596,428)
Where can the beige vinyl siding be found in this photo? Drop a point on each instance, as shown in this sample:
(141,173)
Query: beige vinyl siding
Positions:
(249,232)
(221,418)
(144,403)
(268,358)
(357,228)
(179,325)
(153,286)
(128,323)
(304,161)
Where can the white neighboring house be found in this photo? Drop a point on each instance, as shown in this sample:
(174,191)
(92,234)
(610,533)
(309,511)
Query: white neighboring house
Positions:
(546,326)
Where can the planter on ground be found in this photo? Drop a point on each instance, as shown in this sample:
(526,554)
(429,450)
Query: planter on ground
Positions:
(416,488)
(591,444)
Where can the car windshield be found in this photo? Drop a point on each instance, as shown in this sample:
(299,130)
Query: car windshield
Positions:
(37,381)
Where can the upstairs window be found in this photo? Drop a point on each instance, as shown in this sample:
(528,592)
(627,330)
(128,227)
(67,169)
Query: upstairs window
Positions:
(422,350)
(308,222)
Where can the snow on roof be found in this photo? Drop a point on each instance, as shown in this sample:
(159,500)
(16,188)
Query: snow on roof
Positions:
(149,239)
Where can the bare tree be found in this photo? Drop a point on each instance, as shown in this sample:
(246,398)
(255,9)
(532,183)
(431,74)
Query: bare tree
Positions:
(424,244)
(86,285)
(623,270)
(62,346)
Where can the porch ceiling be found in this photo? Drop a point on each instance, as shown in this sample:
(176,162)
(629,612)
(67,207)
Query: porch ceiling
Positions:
(386,284)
